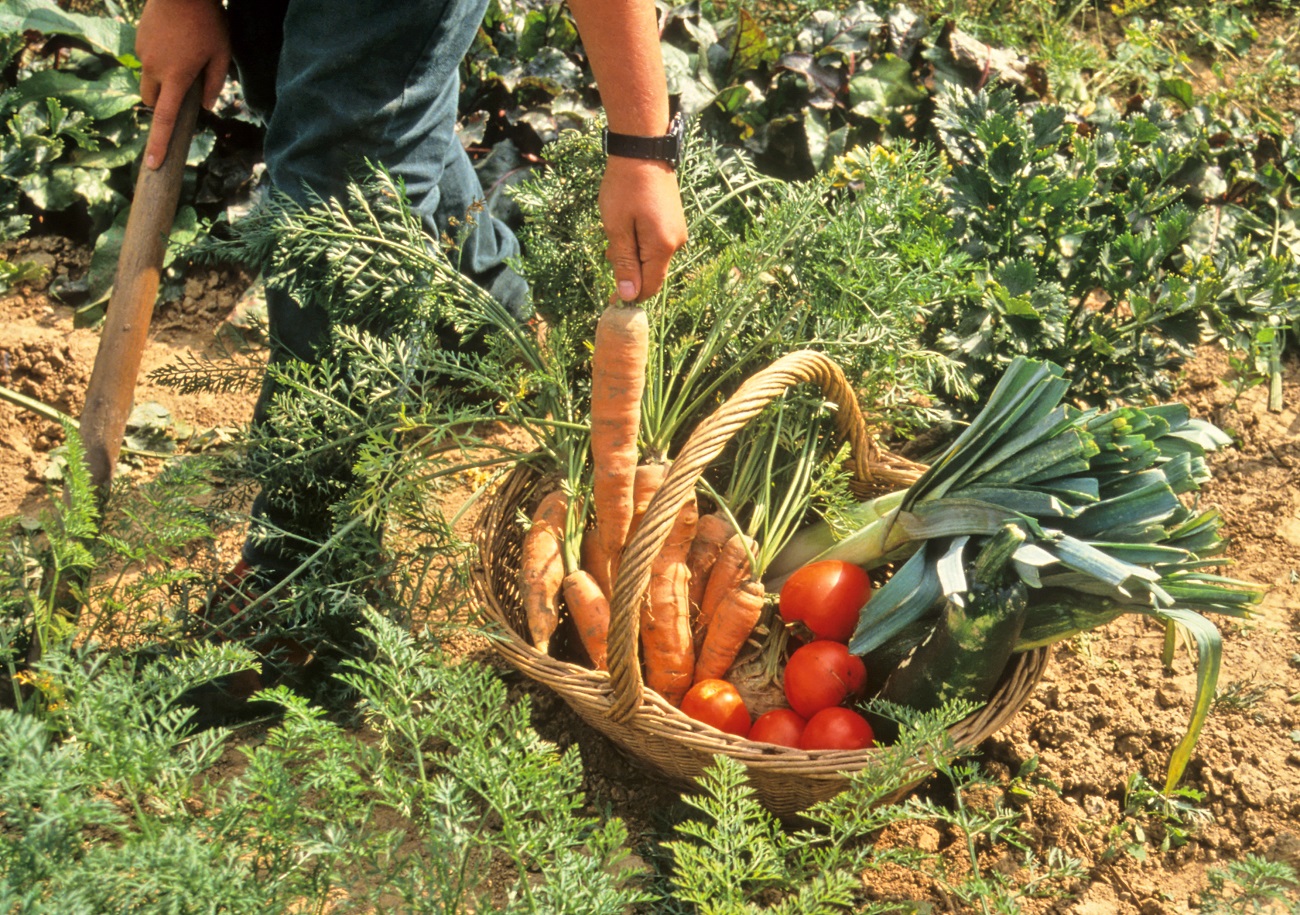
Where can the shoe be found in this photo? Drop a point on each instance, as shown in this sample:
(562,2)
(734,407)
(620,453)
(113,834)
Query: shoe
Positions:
(223,618)
(282,660)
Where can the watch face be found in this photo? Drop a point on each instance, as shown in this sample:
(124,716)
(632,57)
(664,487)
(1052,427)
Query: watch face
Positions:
(675,132)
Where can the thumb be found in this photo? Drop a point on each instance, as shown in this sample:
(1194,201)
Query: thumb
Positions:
(624,255)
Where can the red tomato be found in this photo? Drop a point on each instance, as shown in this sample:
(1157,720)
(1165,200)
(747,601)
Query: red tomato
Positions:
(826,597)
(822,674)
(837,729)
(781,726)
(717,703)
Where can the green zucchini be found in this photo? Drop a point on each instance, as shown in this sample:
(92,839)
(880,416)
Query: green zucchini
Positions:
(1056,616)
(966,653)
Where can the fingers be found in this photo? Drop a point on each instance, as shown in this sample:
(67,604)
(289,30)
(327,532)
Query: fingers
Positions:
(625,257)
(641,210)
(654,264)
(177,42)
(165,110)
(640,264)
(149,87)
(214,77)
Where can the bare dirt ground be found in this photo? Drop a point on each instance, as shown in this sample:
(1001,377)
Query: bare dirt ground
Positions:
(1105,711)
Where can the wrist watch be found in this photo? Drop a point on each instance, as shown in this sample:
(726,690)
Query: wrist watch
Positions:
(667,148)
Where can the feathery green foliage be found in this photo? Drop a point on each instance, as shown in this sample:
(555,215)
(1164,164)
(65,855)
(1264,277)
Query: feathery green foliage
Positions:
(319,814)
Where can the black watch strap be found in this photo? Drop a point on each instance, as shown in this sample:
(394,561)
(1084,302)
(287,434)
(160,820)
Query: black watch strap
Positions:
(667,148)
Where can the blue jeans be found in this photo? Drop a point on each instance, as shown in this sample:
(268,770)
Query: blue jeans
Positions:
(339,82)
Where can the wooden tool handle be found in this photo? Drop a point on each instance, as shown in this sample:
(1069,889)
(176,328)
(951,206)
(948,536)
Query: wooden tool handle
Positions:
(130,308)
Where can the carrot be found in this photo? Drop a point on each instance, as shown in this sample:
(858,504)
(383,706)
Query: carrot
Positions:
(736,615)
(541,568)
(649,477)
(591,564)
(711,534)
(729,571)
(618,366)
(666,615)
(590,611)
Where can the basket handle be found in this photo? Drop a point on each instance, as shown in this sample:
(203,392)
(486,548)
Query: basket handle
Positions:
(871,471)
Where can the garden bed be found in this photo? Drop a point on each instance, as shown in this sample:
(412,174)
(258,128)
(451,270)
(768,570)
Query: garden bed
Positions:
(1104,712)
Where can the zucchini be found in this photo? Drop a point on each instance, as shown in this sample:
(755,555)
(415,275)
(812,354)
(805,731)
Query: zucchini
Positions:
(1060,614)
(968,649)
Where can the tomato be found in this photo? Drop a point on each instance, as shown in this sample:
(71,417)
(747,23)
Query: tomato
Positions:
(826,597)
(717,703)
(821,674)
(781,726)
(837,729)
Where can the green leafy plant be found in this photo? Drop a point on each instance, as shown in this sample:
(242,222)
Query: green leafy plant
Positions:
(79,572)
(73,130)
(1161,819)
(1074,238)
(442,779)
(1253,884)
(735,858)
(993,827)
(70,119)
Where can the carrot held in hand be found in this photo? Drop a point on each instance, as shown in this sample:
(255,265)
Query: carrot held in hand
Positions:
(541,568)
(711,534)
(734,619)
(590,611)
(666,614)
(618,366)
(730,571)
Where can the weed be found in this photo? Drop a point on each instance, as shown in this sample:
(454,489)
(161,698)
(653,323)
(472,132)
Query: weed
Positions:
(1163,819)
(318,813)
(1253,884)
(737,859)
(1241,696)
(992,828)
(1027,783)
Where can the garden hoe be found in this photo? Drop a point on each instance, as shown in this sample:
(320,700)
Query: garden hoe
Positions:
(130,307)
(126,324)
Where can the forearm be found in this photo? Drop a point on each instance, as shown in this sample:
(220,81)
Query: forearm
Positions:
(621,38)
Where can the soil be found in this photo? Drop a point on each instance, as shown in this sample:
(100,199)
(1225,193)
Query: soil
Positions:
(1105,711)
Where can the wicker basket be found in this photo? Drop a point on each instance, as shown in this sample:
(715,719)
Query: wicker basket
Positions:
(640,720)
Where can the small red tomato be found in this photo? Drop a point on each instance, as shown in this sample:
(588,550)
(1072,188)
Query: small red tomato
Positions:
(781,726)
(826,597)
(717,703)
(837,729)
(822,674)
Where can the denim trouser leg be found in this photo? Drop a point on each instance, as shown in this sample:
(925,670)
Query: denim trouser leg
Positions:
(341,82)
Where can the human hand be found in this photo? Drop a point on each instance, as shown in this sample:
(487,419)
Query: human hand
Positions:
(641,209)
(176,42)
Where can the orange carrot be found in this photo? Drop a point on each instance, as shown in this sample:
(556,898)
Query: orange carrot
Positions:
(591,564)
(649,477)
(711,534)
(729,572)
(666,615)
(541,568)
(590,611)
(734,620)
(618,366)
